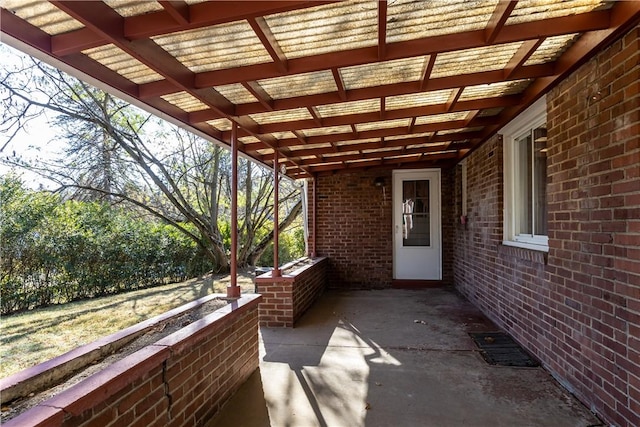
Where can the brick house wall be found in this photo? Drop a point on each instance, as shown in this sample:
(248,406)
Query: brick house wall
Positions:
(354,228)
(578,308)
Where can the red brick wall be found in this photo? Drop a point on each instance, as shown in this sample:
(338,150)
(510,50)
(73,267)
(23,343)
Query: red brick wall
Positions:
(354,229)
(579,310)
(182,380)
(354,226)
(286,298)
(448,223)
(308,286)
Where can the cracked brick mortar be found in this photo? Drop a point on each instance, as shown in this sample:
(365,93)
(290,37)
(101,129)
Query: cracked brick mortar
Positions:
(167,392)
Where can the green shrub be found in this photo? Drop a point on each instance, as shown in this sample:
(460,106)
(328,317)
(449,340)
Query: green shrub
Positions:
(54,251)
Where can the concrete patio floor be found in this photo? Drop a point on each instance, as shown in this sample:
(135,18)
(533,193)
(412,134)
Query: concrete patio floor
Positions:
(393,358)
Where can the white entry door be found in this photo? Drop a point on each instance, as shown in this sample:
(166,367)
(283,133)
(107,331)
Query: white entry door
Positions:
(417,238)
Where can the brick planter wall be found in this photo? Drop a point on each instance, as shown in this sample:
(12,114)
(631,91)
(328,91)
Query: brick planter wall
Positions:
(50,372)
(181,380)
(577,309)
(286,298)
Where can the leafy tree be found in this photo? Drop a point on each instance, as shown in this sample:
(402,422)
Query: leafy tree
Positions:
(119,153)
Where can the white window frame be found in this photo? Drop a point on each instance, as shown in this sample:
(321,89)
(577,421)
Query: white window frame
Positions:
(531,118)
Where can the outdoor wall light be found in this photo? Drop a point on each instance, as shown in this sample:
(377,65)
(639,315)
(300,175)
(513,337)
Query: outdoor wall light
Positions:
(379,181)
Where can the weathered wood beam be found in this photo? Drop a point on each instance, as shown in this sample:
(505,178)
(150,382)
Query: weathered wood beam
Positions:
(262,30)
(498,18)
(178,9)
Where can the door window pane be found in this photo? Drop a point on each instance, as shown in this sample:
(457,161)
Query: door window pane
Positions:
(416,221)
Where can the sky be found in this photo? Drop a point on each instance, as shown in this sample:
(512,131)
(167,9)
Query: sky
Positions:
(34,139)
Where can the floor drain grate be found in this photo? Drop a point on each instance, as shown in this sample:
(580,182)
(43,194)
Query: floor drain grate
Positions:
(498,348)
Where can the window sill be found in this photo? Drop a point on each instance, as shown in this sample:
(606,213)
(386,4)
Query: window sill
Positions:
(524,251)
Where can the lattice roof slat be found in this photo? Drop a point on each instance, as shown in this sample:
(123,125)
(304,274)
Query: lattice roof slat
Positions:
(128,8)
(214,48)
(185,102)
(551,49)
(300,84)
(474,60)
(354,107)
(326,130)
(409,20)
(236,93)
(441,118)
(537,10)
(43,15)
(418,99)
(494,89)
(124,64)
(382,125)
(383,73)
(326,28)
(281,116)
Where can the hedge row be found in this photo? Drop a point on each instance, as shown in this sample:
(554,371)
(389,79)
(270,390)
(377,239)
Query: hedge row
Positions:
(54,252)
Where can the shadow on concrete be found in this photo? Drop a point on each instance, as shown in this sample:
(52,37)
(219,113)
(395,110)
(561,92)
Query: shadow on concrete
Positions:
(247,408)
(395,358)
(300,350)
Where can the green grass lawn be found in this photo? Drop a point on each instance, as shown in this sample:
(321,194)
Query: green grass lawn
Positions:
(32,337)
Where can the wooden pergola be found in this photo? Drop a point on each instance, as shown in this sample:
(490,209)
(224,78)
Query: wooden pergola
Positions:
(328,85)
(317,87)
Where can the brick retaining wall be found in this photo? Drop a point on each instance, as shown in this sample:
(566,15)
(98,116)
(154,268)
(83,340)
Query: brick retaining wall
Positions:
(181,380)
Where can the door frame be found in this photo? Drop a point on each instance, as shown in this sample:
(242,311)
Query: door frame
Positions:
(435,211)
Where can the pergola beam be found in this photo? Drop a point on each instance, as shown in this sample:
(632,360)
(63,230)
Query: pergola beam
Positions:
(498,18)
(178,9)
(591,21)
(520,57)
(382,29)
(426,72)
(339,84)
(453,99)
(389,90)
(436,145)
(260,94)
(403,113)
(163,22)
(262,30)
